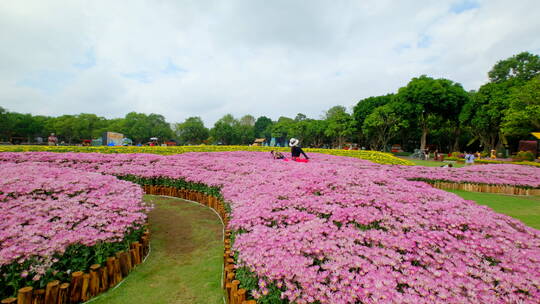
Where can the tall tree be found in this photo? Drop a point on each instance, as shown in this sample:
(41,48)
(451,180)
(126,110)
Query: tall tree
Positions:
(364,108)
(141,127)
(521,67)
(429,100)
(262,129)
(246,129)
(523,113)
(225,130)
(282,128)
(382,125)
(340,125)
(192,131)
(483,113)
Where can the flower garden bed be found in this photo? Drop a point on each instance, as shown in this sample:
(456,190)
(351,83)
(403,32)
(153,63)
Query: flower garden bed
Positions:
(339,230)
(57,222)
(374,156)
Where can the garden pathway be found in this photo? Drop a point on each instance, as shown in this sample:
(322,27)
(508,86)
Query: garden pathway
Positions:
(185,262)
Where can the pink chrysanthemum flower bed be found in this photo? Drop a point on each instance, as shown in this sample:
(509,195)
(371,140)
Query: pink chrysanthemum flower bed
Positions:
(45,209)
(343,230)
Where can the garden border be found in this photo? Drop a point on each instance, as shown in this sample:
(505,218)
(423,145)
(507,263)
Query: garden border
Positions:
(485,188)
(85,286)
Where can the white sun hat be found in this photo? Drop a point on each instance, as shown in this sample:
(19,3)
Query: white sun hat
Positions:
(294,142)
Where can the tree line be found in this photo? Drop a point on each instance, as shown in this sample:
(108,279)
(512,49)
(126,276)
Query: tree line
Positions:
(427,111)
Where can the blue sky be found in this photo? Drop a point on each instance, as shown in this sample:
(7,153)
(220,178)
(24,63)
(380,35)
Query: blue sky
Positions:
(273,58)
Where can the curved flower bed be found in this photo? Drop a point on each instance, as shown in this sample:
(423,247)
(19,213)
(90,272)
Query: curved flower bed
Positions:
(56,220)
(342,230)
(496,174)
(374,156)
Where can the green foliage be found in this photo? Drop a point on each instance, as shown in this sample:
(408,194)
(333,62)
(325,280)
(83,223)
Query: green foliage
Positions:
(225,130)
(523,113)
(340,125)
(140,127)
(521,67)
(262,127)
(365,107)
(524,156)
(383,124)
(249,281)
(192,131)
(483,113)
(429,102)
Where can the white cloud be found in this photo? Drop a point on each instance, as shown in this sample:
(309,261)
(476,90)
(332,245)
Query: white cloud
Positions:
(273,58)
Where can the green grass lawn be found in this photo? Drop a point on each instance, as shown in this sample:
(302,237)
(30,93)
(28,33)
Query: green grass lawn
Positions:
(523,208)
(431,163)
(185,261)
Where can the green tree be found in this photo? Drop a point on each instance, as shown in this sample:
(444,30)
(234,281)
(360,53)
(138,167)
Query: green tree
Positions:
(282,128)
(315,133)
(5,125)
(192,131)
(429,101)
(300,117)
(382,125)
(483,113)
(523,113)
(340,125)
(141,127)
(521,67)
(225,130)
(364,108)
(263,127)
(246,129)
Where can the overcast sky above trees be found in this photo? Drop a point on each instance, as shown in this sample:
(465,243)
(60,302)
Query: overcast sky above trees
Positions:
(273,58)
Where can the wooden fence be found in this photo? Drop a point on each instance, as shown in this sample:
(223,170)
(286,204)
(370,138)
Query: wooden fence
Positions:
(504,189)
(84,286)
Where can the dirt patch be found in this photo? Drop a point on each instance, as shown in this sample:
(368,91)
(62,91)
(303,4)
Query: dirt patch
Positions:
(174,229)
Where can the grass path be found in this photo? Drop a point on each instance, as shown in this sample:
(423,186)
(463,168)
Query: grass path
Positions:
(185,262)
(523,208)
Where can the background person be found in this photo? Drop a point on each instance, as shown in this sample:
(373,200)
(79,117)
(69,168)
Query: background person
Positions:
(469,159)
(295,149)
(52,140)
(277,154)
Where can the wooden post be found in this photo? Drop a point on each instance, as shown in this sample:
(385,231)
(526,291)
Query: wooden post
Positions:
(94,280)
(76,286)
(234,290)
(85,287)
(133,256)
(125,266)
(241,296)
(39,296)
(24,296)
(63,293)
(139,248)
(228,287)
(110,271)
(103,279)
(51,292)
(250,302)
(9,301)
(117,271)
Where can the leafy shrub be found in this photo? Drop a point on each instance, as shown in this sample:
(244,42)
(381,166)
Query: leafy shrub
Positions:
(524,156)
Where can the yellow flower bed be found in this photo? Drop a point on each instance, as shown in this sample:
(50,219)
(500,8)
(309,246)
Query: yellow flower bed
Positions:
(374,156)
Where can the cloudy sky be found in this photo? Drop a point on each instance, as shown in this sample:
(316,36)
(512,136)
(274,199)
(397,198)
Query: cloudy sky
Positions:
(273,58)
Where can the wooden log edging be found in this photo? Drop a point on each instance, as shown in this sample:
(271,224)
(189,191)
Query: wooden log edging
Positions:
(503,189)
(233,293)
(83,286)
